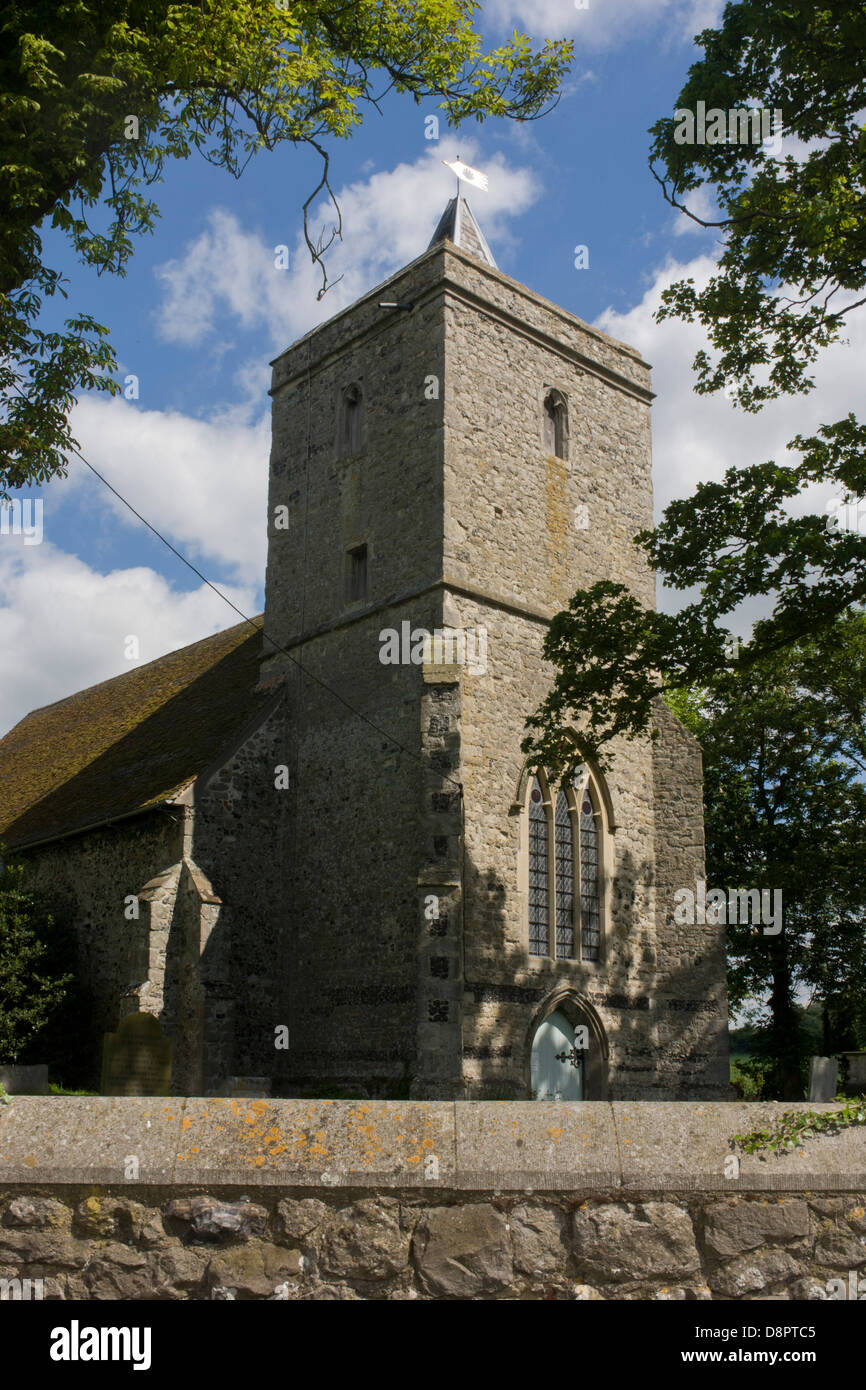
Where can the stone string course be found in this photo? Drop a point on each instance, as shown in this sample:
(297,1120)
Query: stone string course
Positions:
(347,1200)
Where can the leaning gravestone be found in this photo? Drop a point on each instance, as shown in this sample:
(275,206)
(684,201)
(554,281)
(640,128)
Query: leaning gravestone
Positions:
(823,1078)
(136,1060)
(856,1073)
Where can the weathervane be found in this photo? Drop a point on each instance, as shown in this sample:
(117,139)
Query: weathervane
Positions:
(478,180)
(467,174)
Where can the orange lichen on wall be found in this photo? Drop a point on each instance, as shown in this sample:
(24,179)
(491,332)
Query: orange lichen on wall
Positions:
(556,517)
(253,1136)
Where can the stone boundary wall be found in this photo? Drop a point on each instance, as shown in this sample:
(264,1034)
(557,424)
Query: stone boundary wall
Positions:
(109,1198)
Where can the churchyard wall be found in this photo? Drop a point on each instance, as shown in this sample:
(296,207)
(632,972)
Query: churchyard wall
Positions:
(294,1200)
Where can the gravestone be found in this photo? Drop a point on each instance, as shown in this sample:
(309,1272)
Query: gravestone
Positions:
(856,1073)
(136,1060)
(25,1081)
(823,1078)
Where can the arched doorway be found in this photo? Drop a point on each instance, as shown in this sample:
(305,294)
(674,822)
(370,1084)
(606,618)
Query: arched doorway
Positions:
(556,1066)
(566,1049)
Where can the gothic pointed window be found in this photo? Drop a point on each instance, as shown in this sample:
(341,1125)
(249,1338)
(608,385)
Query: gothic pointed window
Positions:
(564,839)
(564,848)
(555,424)
(539,885)
(590,896)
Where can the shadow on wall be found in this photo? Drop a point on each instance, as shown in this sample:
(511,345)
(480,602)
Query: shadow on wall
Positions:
(622,1012)
(507,1002)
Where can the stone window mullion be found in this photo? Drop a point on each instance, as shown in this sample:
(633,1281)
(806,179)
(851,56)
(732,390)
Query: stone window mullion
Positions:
(551,874)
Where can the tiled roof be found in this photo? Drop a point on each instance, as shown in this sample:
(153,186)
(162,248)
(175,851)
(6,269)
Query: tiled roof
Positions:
(129,743)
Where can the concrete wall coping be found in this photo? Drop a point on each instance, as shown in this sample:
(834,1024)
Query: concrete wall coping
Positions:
(477,1145)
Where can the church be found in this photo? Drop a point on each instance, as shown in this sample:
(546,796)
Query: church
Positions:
(310,845)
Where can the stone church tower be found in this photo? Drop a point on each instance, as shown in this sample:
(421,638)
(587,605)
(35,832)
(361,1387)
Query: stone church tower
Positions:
(455,456)
(311,848)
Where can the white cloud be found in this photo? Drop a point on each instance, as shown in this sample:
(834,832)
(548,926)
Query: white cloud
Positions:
(63,625)
(202,483)
(388,219)
(224,270)
(604,23)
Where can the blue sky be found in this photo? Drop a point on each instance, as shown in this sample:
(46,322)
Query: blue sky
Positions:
(203,308)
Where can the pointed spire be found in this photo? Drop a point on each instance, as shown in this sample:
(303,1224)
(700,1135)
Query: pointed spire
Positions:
(458,224)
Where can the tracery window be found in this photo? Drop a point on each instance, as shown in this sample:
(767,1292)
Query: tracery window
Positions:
(564,862)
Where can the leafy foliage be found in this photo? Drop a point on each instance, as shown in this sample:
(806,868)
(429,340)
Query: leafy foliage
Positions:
(794,260)
(795,1126)
(224,78)
(31,992)
(784,747)
(748,1079)
(601,647)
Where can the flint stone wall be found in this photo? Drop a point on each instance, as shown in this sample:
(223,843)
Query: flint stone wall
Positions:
(92,875)
(203,955)
(293,1200)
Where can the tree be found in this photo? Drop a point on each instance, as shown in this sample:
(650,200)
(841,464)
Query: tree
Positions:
(785,809)
(791,272)
(31,990)
(98,97)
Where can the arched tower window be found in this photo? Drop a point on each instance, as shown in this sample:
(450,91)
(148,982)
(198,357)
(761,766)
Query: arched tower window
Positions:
(352,421)
(539,885)
(555,424)
(564,868)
